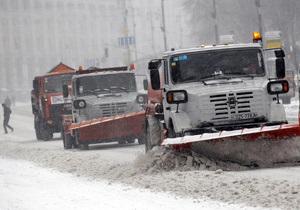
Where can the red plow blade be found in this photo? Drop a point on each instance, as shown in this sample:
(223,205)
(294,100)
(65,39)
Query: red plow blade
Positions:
(129,124)
(262,147)
(272,132)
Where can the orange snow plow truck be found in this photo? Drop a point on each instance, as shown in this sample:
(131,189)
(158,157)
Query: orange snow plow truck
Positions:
(107,106)
(222,102)
(47,101)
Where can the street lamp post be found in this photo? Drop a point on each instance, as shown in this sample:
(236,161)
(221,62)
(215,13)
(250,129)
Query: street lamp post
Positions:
(163,28)
(257,3)
(215,22)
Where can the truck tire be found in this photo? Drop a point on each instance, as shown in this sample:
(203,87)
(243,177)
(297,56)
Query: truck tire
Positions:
(48,135)
(67,140)
(122,141)
(76,139)
(171,132)
(77,143)
(152,136)
(141,138)
(84,146)
(42,133)
(131,140)
(37,130)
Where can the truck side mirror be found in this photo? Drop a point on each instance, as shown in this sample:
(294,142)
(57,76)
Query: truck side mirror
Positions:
(35,85)
(154,64)
(280,68)
(65,91)
(279,53)
(145,83)
(155,79)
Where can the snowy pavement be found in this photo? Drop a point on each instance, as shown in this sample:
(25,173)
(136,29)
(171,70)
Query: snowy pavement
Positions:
(42,175)
(26,186)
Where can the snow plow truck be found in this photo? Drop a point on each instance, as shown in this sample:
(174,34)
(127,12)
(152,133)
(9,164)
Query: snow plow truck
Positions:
(47,101)
(222,102)
(107,106)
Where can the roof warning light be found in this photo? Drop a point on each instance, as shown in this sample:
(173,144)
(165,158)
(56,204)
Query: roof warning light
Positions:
(256,36)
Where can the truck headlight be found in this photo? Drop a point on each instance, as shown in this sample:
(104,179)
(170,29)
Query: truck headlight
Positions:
(278,87)
(141,99)
(177,96)
(79,104)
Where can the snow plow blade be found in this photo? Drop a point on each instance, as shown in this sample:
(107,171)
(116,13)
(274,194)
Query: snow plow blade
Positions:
(117,126)
(260,147)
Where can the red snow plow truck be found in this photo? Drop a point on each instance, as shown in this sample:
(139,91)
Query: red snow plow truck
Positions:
(107,106)
(47,101)
(222,102)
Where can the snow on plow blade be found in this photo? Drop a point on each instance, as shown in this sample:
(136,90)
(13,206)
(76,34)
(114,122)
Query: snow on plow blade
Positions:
(129,124)
(262,147)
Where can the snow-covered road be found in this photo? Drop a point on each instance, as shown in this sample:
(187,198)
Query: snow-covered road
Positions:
(37,174)
(26,186)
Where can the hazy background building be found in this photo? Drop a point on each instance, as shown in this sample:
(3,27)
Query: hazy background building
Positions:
(36,35)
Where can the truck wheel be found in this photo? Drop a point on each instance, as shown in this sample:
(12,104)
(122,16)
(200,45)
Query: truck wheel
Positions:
(171,132)
(67,140)
(77,143)
(37,130)
(76,139)
(84,146)
(41,132)
(48,135)
(130,141)
(45,133)
(141,138)
(152,133)
(122,141)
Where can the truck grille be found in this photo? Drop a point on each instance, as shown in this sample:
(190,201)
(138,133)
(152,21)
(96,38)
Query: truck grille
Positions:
(225,106)
(113,109)
(55,110)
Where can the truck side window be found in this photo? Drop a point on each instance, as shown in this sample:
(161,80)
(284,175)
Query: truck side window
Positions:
(176,75)
(166,76)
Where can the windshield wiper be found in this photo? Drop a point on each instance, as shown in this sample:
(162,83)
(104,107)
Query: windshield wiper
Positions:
(121,88)
(96,91)
(91,91)
(238,74)
(215,76)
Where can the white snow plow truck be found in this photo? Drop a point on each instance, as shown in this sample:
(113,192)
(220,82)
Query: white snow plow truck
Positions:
(222,102)
(106,107)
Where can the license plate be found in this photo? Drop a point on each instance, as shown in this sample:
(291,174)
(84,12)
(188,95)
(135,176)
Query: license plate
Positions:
(244,116)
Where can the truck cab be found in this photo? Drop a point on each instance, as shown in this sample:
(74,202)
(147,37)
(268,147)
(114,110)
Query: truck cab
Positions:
(104,94)
(48,104)
(215,88)
(107,106)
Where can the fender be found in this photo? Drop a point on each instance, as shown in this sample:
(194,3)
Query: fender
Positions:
(180,120)
(277,112)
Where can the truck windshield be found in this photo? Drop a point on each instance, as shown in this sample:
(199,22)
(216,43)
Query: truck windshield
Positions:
(99,84)
(214,64)
(54,84)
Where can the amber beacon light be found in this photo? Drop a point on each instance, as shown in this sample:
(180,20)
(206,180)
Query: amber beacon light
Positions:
(256,36)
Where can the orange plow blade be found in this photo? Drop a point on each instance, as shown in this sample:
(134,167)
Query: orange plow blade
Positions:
(262,147)
(129,124)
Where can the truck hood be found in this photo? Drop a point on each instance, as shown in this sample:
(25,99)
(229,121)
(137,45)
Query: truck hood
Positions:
(108,105)
(223,101)
(109,98)
(213,86)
